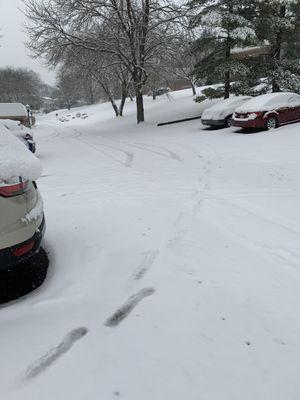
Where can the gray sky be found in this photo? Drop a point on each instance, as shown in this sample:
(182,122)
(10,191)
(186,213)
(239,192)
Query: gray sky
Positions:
(12,49)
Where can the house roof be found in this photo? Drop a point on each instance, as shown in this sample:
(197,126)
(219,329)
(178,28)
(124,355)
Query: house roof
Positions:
(250,52)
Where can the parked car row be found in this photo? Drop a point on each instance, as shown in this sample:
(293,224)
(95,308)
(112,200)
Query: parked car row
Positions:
(267,111)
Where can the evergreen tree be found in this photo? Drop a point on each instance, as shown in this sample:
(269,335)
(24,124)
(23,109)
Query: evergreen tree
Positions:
(223,25)
(277,23)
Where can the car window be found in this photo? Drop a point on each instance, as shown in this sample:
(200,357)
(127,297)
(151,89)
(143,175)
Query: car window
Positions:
(246,99)
(294,100)
(279,101)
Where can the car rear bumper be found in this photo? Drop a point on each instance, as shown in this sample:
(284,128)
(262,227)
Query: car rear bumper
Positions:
(213,122)
(14,255)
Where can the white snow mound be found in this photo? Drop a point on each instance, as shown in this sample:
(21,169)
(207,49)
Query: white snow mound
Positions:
(15,159)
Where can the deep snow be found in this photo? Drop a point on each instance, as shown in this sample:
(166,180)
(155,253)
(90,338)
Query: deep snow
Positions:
(174,263)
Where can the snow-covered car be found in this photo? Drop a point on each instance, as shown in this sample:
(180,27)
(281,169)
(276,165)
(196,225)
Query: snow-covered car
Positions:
(221,113)
(22,222)
(268,111)
(21,132)
(16,112)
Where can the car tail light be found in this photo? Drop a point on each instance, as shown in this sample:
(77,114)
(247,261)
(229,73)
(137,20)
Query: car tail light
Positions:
(26,248)
(13,189)
(258,113)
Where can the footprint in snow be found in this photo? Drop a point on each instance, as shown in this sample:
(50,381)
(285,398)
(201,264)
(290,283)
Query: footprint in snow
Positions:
(126,308)
(52,355)
(146,263)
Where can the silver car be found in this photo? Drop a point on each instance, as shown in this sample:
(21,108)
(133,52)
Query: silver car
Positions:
(220,114)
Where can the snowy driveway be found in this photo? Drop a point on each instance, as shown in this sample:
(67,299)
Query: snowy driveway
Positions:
(175,265)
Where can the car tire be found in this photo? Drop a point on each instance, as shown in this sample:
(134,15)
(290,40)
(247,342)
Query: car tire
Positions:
(228,121)
(271,123)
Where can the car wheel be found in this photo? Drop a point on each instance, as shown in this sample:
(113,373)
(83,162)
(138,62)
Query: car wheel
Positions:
(228,121)
(271,123)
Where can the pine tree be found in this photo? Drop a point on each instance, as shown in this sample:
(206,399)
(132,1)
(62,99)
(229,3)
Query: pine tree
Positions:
(278,22)
(223,25)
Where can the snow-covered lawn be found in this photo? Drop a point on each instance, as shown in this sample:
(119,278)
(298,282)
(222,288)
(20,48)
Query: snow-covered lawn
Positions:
(175,263)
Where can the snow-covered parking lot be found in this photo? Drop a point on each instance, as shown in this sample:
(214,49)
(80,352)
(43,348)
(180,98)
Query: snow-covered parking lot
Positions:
(175,263)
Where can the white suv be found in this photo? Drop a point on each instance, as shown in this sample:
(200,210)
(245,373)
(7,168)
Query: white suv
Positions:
(22,223)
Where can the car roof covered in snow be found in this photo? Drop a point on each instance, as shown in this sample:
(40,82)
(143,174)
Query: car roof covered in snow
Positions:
(12,110)
(11,124)
(15,159)
(228,102)
(266,102)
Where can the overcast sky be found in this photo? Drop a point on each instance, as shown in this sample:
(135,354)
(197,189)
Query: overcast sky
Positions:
(12,48)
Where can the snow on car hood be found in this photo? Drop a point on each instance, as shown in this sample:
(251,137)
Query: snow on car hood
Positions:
(15,159)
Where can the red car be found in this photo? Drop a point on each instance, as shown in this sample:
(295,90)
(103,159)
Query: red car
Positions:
(268,111)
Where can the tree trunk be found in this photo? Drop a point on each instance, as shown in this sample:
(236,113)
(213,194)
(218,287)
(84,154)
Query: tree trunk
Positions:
(114,106)
(227,73)
(122,103)
(275,85)
(277,52)
(139,105)
(109,95)
(193,88)
(153,94)
(92,99)
(227,85)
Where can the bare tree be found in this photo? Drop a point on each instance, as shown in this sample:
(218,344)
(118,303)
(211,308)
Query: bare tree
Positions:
(111,77)
(68,88)
(20,85)
(131,32)
(181,58)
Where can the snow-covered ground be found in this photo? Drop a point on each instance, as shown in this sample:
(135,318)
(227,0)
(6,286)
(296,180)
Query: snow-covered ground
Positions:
(175,263)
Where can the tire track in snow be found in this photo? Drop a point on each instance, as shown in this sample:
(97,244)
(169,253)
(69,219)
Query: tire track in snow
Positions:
(279,238)
(59,134)
(52,355)
(51,137)
(164,152)
(129,157)
(121,313)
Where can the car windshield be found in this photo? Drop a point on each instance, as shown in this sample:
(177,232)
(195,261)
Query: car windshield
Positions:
(233,101)
(281,99)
